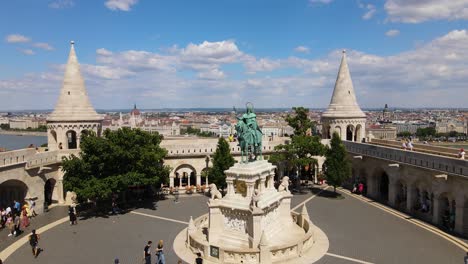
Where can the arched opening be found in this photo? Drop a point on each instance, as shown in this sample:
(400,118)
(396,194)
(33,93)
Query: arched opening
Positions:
(204,175)
(465,218)
(71,139)
(185,175)
(444,211)
(383,186)
(327,131)
(349,132)
(337,130)
(49,191)
(357,134)
(401,195)
(12,190)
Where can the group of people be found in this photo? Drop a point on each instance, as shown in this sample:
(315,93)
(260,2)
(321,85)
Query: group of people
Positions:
(407,144)
(16,217)
(358,188)
(159,252)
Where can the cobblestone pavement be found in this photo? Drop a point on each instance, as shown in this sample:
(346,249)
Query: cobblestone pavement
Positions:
(355,230)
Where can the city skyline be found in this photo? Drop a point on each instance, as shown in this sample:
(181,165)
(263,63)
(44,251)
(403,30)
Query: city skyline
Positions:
(275,54)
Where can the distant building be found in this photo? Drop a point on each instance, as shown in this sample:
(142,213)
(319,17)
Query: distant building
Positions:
(411,127)
(382,132)
(447,126)
(23,124)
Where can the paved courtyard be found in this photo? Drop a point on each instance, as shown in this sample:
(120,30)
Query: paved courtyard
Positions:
(358,233)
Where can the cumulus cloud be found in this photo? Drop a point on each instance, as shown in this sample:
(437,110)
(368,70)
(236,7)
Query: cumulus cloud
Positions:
(302,49)
(173,78)
(43,45)
(123,5)
(17,38)
(392,33)
(60,4)
(27,51)
(417,11)
(370,11)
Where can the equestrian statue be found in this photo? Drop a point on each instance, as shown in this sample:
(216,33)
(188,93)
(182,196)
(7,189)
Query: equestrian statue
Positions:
(249,135)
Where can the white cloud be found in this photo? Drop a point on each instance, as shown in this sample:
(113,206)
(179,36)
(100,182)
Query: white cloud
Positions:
(370,11)
(60,4)
(320,1)
(123,5)
(302,49)
(27,51)
(174,78)
(392,33)
(44,46)
(417,11)
(17,38)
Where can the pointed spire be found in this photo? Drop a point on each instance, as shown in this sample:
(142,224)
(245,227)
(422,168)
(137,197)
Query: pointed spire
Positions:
(263,240)
(73,103)
(134,106)
(343,102)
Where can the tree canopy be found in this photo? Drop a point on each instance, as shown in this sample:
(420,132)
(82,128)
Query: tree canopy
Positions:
(299,151)
(222,160)
(112,163)
(337,166)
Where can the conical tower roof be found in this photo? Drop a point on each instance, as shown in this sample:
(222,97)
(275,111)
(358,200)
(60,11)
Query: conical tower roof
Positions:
(343,103)
(73,103)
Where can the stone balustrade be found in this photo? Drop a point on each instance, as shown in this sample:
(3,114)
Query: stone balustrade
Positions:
(444,164)
(431,149)
(15,157)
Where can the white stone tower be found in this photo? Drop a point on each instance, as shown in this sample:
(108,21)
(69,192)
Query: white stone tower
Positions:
(73,113)
(344,115)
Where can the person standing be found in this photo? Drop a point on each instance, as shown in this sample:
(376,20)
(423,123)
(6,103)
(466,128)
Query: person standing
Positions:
(147,252)
(160,253)
(17,221)
(403,145)
(72,215)
(34,241)
(10,224)
(17,207)
(410,145)
(199,259)
(461,154)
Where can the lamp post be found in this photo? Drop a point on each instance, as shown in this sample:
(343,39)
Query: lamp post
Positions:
(207,161)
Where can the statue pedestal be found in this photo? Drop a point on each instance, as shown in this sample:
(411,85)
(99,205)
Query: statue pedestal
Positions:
(257,227)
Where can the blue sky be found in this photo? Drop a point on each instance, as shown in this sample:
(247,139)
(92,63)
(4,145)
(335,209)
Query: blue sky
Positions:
(276,53)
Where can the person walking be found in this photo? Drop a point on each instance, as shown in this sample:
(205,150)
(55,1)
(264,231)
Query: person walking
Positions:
(199,259)
(72,215)
(10,224)
(34,241)
(147,252)
(403,145)
(17,221)
(360,188)
(410,145)
(461,154)
(160,253)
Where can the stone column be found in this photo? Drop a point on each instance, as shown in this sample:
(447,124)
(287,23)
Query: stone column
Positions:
(409,197)
(230,187)
(459,213)
(60,191)
(171,181)
(436,209)
(188,179)
(180,180)
(392,192)
(261,187)
(206,182)
(198,179)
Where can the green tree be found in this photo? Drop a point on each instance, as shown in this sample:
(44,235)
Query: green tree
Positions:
(222,160)
(404,134)
(337,166)
(300,121)
(112,163)
(298,153)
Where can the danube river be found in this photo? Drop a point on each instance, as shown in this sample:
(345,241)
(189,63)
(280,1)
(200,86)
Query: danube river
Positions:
(11,142)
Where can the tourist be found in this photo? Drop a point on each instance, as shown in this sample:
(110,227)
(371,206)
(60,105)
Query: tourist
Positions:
(24,219)
(16,207)
(116,261)
(17,221)
(10,224)
(461,154)
(147,253)
(410,145)
(199,259)
(32,205)
(34,241)
(361,188)
(403,145)
(160,253)
(176,194)
(72,215)
(354,188)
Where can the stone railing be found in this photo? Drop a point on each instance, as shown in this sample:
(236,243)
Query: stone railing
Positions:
(15,157)
(278,254)
(42,158)
(444,164)
(431,149)
(204,147)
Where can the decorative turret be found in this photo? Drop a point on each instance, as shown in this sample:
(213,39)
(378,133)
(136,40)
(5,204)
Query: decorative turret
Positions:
(344,115)
(73,113)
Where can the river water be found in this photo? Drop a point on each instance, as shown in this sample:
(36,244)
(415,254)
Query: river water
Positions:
(12,142)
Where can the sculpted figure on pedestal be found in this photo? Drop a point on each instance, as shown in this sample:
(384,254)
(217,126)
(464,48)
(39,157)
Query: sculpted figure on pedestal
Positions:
(214,192)
(284,186)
